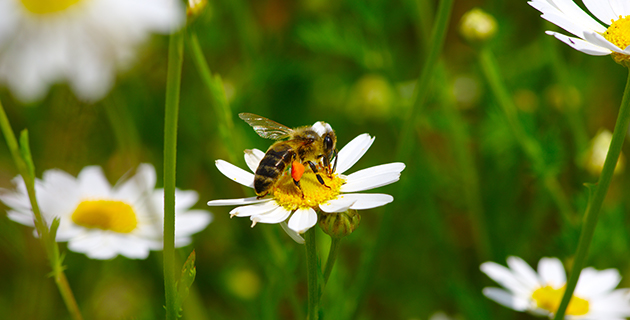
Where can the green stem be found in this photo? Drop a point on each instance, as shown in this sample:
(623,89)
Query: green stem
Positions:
(332,257)
(26,169)
(220,105)
(311,271)
(422,87)
(464,156)
(173,81)
(529,145)
(127,137)
(597,198)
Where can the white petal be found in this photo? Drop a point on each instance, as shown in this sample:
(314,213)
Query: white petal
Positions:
(602,10)
(25,218)
(236,202)
(16,199)
(552,272)
(599,40)
(191,222)
(337,205)
(373,177)
(353,151)
(364,201)
(91,244)
(593,282)
(504,277)
(184,199)
(576,14)
(93,183)
(613,305)
(522,270)
(254,209)
(252,158)
(235,173)
(277,215)
(580,45)
(141,183)
(567,22)
(619,7)
(505,298)
(294,235)
(302,220)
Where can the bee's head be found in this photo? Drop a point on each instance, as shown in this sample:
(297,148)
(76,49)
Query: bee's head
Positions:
(329,139)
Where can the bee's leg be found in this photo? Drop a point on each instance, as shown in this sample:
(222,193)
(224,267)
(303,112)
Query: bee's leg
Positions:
(336,157)
(326,162)
(262,195)
(297,184)
(319,178)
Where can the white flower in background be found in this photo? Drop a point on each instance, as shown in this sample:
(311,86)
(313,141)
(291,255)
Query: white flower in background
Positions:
(286,202)
(83,42)
(540,293)
(593,37)
(102,221)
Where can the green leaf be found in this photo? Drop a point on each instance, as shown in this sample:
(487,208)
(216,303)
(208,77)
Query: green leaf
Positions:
(189,271)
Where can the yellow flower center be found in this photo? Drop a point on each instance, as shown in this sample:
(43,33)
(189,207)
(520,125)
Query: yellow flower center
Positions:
(289,196)
(47,6)
(549,299)
(619,34)
(110,215)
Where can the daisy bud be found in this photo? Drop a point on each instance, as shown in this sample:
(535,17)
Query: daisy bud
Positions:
(339,224)
(597,151)
(476,26)
(195,8)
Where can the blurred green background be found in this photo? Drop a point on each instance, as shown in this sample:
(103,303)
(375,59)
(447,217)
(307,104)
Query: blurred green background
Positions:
(353,64)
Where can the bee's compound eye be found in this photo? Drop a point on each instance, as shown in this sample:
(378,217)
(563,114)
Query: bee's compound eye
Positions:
(328,143)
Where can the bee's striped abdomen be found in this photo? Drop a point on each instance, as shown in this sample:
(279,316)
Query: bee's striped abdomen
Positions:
(271,167)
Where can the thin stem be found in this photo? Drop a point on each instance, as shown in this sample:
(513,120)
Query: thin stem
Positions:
(422,87)
(597,198)
(173,81)
(464,156)
(530,146)
(311,271)
(220,105)
(48,241)
(125,131)
(332,257)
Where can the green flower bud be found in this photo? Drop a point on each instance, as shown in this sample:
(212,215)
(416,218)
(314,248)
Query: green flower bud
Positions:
(195,7)
(477,27)
(339,224)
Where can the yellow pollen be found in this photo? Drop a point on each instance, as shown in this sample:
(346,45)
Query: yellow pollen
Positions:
(289,196)
(549,299)
(619,34)
(47,6)
(110,215)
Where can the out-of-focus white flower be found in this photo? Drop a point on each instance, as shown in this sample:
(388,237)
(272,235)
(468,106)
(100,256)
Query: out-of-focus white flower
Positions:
(83,42)
(592,37)
(595,297)
(102,221)
(337,196)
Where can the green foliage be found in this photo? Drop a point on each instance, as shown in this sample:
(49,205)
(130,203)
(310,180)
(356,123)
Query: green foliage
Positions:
(470,193)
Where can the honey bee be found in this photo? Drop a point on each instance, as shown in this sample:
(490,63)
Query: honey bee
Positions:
(309,145)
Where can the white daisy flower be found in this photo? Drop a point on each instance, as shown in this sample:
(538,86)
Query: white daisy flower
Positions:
(592,37)
(102,221)
(540,293)
(83,42)
(286,202)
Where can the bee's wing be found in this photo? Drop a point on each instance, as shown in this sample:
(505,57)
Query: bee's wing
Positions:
(266,128)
